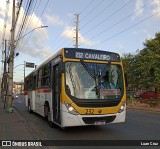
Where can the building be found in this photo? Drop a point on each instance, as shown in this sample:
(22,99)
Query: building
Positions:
(18,87)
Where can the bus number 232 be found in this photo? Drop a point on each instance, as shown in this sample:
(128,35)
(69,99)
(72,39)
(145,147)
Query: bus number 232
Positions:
(89,111)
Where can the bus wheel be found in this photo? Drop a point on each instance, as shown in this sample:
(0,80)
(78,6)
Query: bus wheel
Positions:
(50,123)
(29,108)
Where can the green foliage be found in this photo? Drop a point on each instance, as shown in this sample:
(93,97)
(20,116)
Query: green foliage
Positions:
(143,68)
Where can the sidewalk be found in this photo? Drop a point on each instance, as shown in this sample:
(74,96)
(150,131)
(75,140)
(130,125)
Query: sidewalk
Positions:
(143,106)
(13,125)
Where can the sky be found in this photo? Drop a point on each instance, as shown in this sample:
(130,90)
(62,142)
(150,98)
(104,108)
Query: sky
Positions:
(120,26)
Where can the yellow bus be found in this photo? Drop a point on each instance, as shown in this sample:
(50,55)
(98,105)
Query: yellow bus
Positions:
(78,87)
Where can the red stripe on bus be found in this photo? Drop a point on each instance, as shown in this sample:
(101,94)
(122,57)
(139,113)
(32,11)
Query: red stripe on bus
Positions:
(43,91)
(25,93)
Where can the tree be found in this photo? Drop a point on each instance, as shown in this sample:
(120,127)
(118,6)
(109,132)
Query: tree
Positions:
(153,49)
(143,68)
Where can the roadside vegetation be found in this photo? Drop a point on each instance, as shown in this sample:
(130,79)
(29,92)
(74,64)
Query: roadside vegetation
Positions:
(143,67)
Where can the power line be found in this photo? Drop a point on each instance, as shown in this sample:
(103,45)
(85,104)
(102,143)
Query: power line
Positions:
(92,10)
(18,12)
(29,21)
(22,18)
(5,20)
(120,20)
(4,30)
(19,42)
(108,17)
(87,6)
(25,18)
(59,39)
(126,29)
(62,44)
(98,14)
(19,5)
(36,23)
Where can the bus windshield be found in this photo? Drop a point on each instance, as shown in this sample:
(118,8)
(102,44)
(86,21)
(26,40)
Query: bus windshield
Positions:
(93,80)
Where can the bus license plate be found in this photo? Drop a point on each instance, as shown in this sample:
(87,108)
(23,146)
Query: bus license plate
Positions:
(100,123)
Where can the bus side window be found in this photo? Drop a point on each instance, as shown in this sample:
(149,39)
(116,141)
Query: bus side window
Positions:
(46,76)
(34,82)
(39,79)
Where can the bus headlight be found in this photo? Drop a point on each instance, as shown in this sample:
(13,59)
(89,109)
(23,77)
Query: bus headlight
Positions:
(71,109)
(122,108)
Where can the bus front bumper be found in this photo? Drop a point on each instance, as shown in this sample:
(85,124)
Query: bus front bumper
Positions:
(68,120)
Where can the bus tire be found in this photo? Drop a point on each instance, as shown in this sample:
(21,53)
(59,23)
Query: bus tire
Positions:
(29,107)
(50,123)
(46,111)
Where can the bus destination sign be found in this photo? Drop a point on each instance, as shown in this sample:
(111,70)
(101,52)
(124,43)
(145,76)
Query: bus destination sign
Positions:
(91,54)
(94,56)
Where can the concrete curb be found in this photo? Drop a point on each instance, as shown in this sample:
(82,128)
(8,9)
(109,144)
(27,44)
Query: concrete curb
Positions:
(143,109)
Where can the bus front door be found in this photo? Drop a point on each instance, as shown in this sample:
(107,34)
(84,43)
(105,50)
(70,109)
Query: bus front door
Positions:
(56,93)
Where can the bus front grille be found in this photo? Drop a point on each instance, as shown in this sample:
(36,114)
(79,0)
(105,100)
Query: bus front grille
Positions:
(97,104)
(93,120)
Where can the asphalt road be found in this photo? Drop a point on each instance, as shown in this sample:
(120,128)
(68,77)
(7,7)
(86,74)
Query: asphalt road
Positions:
(139,125)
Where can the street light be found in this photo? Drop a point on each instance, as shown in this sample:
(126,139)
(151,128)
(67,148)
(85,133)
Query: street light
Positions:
(18,65)
(42,26)
(10,82)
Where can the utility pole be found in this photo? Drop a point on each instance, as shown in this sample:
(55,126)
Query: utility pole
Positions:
(24,69)
(77,23)
(4,78)
(10,82)
(5,73)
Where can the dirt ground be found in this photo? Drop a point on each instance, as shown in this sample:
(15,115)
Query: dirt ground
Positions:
(143,106)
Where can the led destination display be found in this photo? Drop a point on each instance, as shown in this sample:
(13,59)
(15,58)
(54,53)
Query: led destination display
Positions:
(91,54)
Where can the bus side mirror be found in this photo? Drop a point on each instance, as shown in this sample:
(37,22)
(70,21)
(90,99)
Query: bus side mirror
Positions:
(126,81)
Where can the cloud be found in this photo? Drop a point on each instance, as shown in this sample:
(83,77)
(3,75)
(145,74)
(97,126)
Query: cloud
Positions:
(70,15)
(69,33)
(54,20)
(34,46)
(142,32)
(155,2)
(33,43)
(120,48)
(156,7)
(138,5)
(147,33)
(42,53)
(2,21)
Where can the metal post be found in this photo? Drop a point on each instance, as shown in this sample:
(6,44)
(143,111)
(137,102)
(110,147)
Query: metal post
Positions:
(24,69)
(11,64)
(77,22)
(5,74)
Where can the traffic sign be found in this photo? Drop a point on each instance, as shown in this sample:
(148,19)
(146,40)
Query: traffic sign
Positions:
(31,65)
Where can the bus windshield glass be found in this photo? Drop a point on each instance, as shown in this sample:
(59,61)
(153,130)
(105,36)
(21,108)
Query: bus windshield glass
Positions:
(93,80)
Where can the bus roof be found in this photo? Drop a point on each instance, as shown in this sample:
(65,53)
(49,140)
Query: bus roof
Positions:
(82,53)
(46,61)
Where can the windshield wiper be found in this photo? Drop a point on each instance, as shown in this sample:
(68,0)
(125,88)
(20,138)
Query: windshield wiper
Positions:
(91,72)
(94,75)
(103,71)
